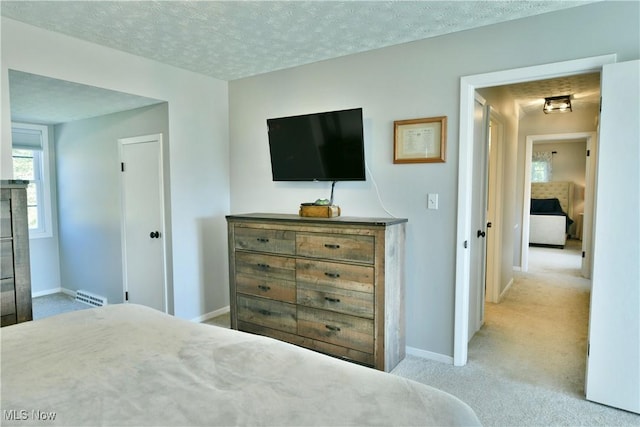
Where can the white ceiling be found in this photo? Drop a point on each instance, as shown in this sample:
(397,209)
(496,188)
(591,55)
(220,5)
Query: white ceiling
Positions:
(229,40)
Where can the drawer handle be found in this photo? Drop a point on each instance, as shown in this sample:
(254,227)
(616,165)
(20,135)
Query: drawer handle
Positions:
(263,266)
(262,240)
(264,288)
(332,299)
(331,246)
(332,275)
(264,312)
(332,328)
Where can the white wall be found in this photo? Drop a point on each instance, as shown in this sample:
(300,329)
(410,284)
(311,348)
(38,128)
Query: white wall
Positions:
(198,134)
(89,208)
(419,79)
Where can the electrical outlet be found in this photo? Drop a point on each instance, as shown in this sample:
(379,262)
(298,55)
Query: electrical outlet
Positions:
(432,201)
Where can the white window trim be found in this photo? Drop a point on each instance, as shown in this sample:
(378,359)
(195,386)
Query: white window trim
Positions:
(45,229)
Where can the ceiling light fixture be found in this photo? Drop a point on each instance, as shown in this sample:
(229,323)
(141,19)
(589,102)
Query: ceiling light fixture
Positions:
(557,104)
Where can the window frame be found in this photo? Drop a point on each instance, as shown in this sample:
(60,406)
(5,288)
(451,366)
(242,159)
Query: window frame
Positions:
(43,184)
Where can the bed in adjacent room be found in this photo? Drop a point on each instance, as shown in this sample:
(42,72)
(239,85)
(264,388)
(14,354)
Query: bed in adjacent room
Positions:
(127,364)
(550,213)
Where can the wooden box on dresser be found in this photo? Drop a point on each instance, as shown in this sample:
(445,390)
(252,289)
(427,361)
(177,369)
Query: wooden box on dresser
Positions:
(334,285)
(15,273)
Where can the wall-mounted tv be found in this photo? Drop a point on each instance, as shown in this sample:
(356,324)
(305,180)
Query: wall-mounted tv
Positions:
(325,146)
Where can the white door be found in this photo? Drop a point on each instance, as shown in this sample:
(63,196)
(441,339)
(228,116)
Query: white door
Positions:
(143,232)
(494,208)
(478,219)
(613,362)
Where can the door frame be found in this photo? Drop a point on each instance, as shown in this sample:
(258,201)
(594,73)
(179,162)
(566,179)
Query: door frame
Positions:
(468,86)
(163,228)
(494,210)
(589,137)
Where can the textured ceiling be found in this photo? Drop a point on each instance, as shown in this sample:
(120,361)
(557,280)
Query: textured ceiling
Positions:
(38,99)
(235,39)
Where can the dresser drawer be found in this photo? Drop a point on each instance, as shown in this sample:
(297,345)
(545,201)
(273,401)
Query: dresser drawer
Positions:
(345,276)
(335,328)
(277,289)
(5,218)
(335,299)
(266,266)
(7,297)
(265,240)
(336,247)
(6,259)
(272,314)
(9,319)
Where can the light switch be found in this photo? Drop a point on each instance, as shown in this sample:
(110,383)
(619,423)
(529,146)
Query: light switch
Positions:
(432,201)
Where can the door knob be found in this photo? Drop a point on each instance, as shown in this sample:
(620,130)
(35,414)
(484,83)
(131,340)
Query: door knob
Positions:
(481,233)
(154,234)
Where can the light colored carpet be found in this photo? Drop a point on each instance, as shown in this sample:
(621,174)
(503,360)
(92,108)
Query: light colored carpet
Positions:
(527,363)
(223,320)
(50,305)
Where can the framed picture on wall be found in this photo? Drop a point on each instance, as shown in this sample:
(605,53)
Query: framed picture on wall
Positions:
(420,140)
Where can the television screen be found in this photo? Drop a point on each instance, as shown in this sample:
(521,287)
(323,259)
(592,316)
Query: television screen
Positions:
(317,147)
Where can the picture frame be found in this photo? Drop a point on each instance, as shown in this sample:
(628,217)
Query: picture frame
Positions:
(420,140)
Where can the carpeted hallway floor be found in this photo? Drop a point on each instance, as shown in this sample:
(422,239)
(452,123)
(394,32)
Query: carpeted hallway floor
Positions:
(527,363)
(538,333)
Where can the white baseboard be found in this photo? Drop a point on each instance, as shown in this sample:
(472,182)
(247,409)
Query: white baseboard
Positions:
(53,291)
(211,315)
(506,289)
(424,354)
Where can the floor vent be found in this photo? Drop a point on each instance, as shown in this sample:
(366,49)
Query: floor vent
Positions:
(91,299)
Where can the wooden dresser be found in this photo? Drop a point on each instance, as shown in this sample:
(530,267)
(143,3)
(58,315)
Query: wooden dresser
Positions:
(15,273)
(334,285)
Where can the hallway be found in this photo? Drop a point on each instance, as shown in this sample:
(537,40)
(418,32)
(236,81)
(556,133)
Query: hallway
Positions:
(539,330)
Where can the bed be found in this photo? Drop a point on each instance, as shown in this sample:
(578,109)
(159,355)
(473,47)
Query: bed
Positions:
(550,213)
(130,365)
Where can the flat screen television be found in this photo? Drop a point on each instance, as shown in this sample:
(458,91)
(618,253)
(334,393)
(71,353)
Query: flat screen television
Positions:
(325,146)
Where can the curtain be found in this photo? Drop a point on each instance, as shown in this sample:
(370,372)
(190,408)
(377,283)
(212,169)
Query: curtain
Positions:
(541,166)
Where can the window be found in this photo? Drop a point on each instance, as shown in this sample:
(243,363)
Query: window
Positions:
(30,162)
(541,162)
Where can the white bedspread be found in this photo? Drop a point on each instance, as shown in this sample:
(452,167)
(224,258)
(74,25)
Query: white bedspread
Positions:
(130,365)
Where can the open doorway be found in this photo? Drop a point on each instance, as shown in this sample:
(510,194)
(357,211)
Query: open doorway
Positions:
(469,86)
(613,346)
(80,250)
(538,315)
(566,163)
